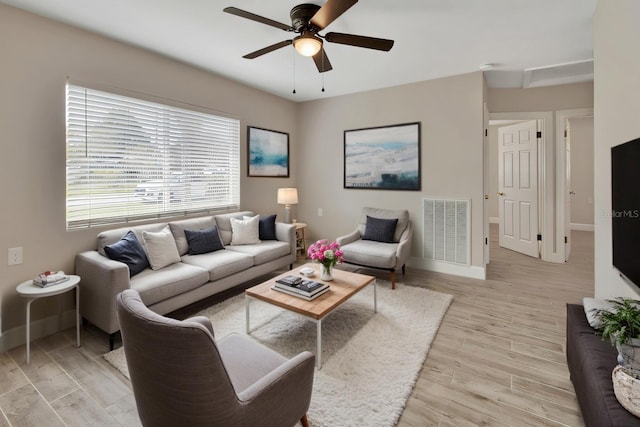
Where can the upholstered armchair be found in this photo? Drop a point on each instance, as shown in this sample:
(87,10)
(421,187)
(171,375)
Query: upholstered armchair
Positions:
(381,240)
(182,375)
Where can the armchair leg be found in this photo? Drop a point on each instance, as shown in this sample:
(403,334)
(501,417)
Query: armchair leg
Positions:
(393,280)
(304,421)
(403,268)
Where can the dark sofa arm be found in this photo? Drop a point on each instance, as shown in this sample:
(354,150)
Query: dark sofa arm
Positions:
(591,362)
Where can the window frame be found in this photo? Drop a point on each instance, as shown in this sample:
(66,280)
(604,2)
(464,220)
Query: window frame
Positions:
(134,157)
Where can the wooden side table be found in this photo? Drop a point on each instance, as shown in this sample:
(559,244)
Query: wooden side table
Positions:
(33,292)
(301,244)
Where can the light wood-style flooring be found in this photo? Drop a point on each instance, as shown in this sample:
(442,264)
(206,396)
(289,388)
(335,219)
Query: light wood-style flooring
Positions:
(498,358)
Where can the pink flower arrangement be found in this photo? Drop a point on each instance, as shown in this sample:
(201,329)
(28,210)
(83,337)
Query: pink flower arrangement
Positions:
(327,254)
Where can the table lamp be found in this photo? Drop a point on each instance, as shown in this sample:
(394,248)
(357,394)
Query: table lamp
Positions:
(287,197)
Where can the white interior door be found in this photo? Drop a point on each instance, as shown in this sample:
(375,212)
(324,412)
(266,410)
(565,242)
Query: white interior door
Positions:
(518,187)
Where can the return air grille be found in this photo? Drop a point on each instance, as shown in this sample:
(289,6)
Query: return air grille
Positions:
(447,229)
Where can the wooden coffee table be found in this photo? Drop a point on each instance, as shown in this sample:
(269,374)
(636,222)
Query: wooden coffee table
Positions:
(343,286)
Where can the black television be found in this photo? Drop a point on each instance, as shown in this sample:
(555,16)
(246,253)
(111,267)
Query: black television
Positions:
(625,209)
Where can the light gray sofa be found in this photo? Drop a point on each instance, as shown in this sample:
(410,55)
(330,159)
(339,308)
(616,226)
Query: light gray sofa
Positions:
(193,278)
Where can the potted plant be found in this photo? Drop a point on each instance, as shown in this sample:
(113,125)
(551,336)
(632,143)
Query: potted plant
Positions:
(621,324)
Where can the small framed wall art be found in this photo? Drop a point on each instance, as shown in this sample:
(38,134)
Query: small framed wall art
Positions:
(383,158)
(267,153)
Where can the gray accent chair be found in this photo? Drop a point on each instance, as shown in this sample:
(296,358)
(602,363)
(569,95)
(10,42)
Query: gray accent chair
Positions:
(379,255)
(182,375)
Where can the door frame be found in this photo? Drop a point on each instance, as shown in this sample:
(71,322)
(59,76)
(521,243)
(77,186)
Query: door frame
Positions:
(547,194)
(486,186)
(561,159)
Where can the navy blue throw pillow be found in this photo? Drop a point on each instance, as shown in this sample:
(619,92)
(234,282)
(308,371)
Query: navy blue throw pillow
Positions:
(380,230)
(267,228)
(203,241)
(128,250)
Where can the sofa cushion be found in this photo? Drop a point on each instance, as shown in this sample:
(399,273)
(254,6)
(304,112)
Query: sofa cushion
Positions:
(220,264)
(130,251)
(178,227)
(370,253)
(380,230)
(157,285)
(590,361)
(402,215)
(245,231)
(203,241)
(223,221)
(161,248)
(265,251)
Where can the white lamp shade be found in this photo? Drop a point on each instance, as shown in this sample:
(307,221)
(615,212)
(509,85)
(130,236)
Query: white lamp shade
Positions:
(288,196)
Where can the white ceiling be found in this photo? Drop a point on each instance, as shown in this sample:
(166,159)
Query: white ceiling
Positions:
(433,38)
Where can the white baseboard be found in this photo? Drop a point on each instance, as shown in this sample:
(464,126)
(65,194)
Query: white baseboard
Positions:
(41,328)
(582,227)
(494,220)
(471,271)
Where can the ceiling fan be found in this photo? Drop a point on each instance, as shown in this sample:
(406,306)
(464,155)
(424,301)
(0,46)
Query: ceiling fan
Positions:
(307,20)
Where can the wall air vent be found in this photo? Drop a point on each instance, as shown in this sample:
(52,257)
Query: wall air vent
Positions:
(447,230)
(570,72)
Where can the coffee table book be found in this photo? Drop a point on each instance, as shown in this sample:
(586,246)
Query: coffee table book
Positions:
(290,280)
(299,294)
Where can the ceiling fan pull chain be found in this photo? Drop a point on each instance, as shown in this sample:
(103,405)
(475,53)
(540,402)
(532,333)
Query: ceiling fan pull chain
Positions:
(294,70)
(322,74)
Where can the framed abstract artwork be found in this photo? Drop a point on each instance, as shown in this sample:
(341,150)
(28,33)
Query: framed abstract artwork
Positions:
(267,153)
(383,158)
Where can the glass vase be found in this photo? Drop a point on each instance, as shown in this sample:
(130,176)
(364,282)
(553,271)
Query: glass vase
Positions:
(325,272)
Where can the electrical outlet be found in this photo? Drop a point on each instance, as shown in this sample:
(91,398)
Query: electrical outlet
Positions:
(14,256)
(319,211)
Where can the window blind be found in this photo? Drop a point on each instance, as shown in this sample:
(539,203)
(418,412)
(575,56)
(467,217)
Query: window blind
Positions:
(130,159)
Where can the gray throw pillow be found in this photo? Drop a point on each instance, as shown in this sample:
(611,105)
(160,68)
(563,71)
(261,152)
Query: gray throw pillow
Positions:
(203,241)
(130,251)
(380,230)
(591,308)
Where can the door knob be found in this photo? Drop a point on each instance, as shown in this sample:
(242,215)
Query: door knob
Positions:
(500,193)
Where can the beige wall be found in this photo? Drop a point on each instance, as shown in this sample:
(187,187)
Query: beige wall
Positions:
(37,56)
(551,98)
(616,120)
(450,110)
(581,137)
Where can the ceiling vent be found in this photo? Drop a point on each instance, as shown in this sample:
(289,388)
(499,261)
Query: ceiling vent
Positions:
(571,72)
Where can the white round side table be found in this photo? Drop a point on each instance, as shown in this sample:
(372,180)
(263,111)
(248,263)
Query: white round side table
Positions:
(32,292)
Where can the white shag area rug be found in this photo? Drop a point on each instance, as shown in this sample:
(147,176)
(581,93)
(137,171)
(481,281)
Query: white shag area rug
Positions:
(370,361)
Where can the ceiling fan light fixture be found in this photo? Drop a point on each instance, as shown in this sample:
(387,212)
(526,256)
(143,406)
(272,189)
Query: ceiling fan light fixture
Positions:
(307,44)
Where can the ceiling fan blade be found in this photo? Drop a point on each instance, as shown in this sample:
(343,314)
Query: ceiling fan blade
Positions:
(261,19)
(331,10)
(360,41)
(267,49)
(322,61)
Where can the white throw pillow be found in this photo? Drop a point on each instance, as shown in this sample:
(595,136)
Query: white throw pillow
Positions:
(245,231)
(591,306)
(161,248)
